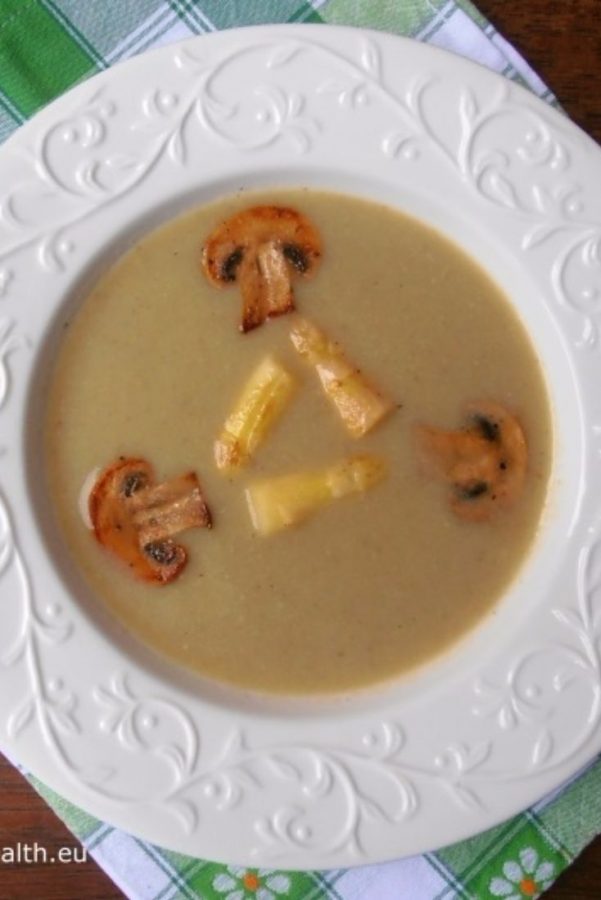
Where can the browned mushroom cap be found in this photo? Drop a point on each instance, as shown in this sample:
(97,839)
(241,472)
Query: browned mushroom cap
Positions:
(136,518)
(263,249)
(485,461)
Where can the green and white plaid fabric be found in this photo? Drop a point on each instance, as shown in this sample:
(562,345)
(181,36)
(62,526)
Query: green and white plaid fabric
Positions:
(45,47)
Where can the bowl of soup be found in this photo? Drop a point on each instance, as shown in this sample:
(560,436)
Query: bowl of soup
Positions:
(299,529)
(347,596)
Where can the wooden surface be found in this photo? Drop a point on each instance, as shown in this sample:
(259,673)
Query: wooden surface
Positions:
(562,40)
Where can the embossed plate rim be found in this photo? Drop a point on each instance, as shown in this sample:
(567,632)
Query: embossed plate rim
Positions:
(477,735)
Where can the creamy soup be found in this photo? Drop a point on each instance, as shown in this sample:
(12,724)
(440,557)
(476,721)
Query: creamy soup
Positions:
(370,585)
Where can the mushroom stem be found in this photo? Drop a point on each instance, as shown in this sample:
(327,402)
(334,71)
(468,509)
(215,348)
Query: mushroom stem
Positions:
(265,286)
(165,510)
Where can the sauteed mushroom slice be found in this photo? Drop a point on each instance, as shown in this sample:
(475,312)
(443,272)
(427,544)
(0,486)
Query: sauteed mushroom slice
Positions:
(485,461)
(137,519)
(263,249)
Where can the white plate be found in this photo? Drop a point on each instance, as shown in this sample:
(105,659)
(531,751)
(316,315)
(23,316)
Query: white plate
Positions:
(464,743)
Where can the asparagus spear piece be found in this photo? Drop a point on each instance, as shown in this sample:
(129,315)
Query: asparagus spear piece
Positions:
(278,503)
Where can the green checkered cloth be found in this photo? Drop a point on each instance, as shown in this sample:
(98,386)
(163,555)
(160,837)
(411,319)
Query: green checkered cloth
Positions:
(45,47)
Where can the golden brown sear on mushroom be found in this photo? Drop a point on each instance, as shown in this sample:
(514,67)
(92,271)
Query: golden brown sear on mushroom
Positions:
(136,519)
(485,462)
(263,249)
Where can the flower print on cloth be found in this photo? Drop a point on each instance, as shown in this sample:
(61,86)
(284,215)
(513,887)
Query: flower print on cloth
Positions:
(526,879)
(251,884)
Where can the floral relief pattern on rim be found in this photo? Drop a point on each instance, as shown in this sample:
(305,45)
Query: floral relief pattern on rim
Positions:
(368,778)
(340,797)
(550,210)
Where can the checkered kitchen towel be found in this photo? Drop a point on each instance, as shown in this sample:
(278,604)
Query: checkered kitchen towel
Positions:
(45,47)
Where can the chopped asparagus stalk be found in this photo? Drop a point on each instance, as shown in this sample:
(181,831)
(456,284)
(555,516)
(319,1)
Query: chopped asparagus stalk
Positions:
(359,405)
(263,398)
(286,500)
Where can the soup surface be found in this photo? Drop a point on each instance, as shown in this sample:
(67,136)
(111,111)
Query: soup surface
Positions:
(369,586)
